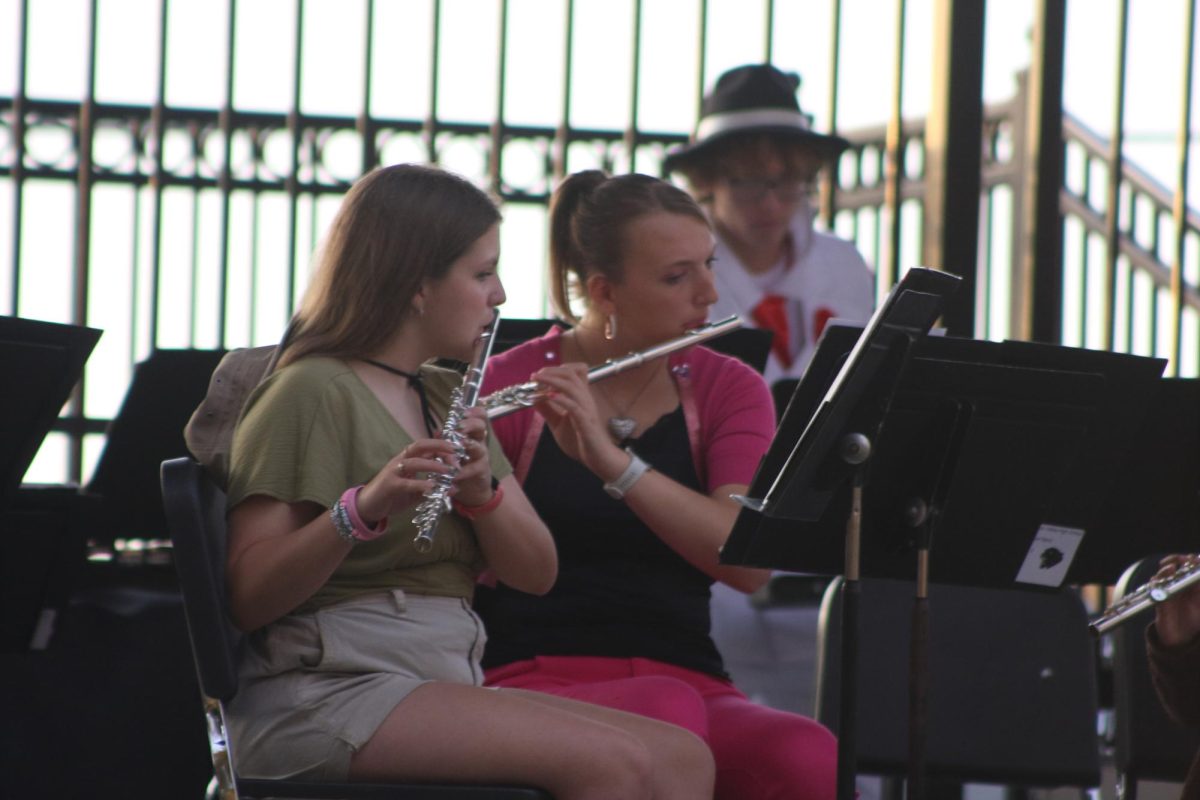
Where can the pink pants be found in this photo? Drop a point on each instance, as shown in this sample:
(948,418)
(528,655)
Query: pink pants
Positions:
(761,753)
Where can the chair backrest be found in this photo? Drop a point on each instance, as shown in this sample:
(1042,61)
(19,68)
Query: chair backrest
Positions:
(1149,744)
(195,510)
(1011,677)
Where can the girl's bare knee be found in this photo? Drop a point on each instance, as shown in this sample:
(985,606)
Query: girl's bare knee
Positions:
(694,762)
(631,763)
(612,765)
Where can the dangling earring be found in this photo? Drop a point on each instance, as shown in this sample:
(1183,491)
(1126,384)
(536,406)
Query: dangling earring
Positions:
(610,327)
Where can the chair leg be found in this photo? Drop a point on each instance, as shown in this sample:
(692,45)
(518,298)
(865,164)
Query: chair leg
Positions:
(1126,786)
(222,786)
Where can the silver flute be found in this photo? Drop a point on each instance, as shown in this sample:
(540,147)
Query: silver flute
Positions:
(437,499)
(1147,596)
(503,402)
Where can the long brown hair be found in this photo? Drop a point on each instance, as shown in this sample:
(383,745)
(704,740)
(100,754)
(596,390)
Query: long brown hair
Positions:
(397,227)
(589,212)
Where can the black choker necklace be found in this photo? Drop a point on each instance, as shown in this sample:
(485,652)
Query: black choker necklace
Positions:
(415,381)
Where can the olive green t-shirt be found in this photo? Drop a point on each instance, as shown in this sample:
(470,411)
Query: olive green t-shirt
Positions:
(313,429)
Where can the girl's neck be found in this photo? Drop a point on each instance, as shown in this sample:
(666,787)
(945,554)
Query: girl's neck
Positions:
(591,343)
(587,343)
(403,351)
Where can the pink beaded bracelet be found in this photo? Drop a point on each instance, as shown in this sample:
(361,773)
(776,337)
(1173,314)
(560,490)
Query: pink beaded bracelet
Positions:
(361,532)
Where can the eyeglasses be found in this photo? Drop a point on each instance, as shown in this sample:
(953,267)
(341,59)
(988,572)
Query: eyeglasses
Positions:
(787,189)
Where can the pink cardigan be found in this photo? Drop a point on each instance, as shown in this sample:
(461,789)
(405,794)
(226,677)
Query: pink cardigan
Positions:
(727,406)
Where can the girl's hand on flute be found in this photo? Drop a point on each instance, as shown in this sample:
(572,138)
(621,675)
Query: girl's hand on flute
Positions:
(1177,619)
(569,408)
(402,482)
(473,483)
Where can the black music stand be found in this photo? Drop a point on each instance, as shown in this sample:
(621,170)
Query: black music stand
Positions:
(999,449)
(148,429)
(815,454)
(1155,492)
(42,361)
(45,360)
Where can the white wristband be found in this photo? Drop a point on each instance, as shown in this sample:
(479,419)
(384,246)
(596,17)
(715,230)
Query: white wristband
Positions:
(625,481)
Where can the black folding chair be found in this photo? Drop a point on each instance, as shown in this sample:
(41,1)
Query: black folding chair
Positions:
(1011,684)
(195,510)
(1148,744)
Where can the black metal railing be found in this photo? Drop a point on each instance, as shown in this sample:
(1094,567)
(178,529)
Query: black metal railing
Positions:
(192,227)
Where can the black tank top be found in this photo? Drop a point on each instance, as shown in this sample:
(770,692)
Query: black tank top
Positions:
(620,591)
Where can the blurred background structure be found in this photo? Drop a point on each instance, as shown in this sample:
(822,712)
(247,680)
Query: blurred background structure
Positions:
(167,168)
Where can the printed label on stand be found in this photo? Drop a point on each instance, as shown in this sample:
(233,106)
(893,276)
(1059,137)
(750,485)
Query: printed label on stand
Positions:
(1050,556)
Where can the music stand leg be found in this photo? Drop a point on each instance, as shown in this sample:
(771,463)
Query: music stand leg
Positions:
(851,593)
(918,679)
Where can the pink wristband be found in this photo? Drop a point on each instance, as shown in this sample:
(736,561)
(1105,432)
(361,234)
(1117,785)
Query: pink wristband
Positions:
(471,512)
(361,531)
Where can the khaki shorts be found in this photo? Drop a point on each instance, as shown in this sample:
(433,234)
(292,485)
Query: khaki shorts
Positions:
(313,688)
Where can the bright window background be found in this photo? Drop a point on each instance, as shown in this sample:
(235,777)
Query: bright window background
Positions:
(332,39)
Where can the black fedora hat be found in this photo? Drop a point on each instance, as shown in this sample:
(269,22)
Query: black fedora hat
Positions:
(755,98)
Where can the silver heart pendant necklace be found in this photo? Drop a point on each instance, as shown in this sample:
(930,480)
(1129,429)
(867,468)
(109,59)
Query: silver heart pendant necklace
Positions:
(620,425)
(621,428)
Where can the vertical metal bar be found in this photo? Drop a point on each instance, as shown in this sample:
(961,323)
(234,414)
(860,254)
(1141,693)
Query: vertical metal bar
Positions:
(194,289)
(1084,242)
(225,178)
(291,183)
(83,196)
(769,44)
(830,184)
(83,235)
(563,134)
(496,162)
(878,236)
(1132,217)
(157,179)
(431,120)
(159,112)
(953,154)
(1018,229)
(1081,288)
(1153,321)
(1179,206)
(702,55)
(154,183)
(1112,216)
(257,155)
(18,170)
(888,269)
(988,264)
(366,125)
(631,133)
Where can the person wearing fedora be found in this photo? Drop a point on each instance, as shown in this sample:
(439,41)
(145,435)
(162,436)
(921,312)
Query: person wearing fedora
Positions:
(752,162)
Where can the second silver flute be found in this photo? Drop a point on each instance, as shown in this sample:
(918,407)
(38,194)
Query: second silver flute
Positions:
(1148,595)
(514,398)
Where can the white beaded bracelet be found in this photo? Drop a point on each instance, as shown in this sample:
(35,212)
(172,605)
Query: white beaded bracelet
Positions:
(625,481)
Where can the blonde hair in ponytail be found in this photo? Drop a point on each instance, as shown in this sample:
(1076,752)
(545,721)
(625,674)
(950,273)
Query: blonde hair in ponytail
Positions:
(589,213)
